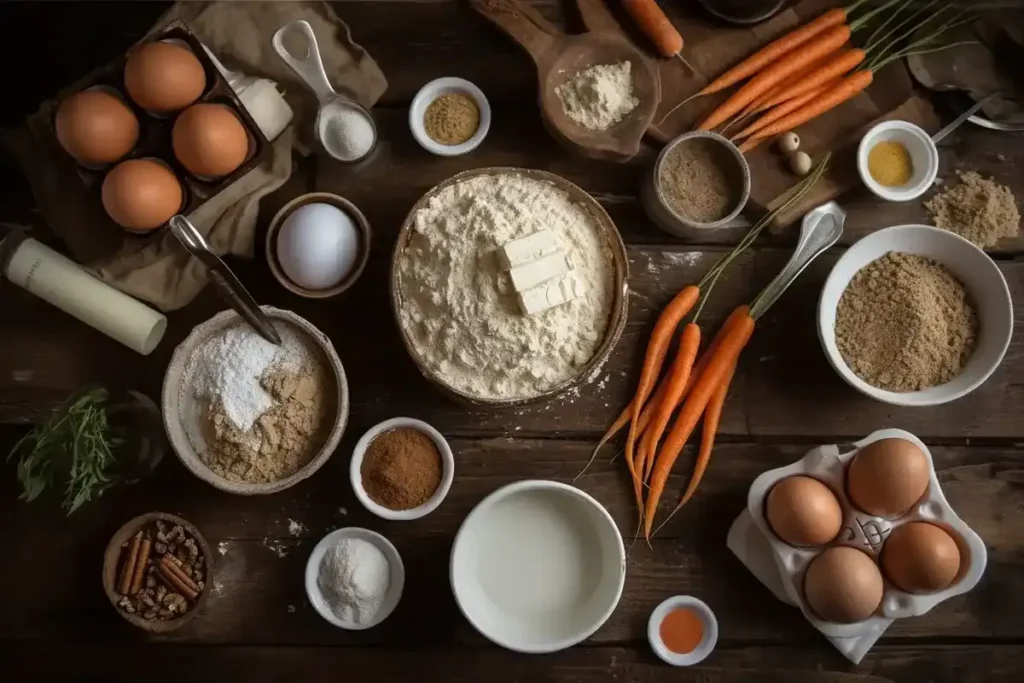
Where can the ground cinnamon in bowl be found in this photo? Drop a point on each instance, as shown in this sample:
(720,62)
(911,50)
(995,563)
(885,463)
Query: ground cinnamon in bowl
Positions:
(700,180)
(402,468)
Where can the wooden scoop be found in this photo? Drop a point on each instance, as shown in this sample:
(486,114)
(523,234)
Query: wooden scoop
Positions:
(559,57)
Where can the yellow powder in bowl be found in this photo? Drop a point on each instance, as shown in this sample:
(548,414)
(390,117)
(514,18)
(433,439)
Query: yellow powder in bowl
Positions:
(889,163)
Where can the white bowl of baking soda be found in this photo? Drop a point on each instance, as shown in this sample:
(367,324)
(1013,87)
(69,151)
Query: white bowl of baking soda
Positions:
(354,578)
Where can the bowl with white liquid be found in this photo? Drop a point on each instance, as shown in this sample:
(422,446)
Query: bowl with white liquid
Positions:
(538,566)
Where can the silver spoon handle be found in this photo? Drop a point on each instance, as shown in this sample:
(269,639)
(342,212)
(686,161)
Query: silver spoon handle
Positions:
(821,228)
(958,121)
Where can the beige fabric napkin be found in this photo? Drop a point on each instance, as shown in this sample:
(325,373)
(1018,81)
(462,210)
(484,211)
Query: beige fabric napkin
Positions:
(157,269)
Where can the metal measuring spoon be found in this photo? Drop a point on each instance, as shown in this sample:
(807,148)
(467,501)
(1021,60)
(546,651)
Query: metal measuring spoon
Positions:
(822,227)
(958,121)
(227,284)
(311,71)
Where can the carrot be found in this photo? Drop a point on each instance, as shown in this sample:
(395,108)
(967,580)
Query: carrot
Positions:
(784,109)
(693,408)
(654,358)
(675,384)
(847,89)
(827,43)
(835,67)
(712,416)
(650,19)
(775,50)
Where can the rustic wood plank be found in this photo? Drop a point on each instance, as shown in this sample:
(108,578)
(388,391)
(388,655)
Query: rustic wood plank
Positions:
(38,365)
(260,561)
(728,664)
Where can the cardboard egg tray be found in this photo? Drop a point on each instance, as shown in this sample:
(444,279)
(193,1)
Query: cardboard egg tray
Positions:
(154,134)
(868,533)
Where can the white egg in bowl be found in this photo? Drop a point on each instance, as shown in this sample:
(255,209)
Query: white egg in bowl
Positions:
(538,566)
(318,244)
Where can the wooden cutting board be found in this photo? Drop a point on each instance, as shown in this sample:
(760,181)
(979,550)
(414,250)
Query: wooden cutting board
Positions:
(712,48)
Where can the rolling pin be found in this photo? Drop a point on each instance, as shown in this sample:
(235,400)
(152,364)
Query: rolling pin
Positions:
(651,19)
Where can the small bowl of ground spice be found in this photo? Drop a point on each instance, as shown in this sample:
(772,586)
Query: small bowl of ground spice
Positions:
(449,117)
(402,469)
(700,182)
(897,160)
(915,316)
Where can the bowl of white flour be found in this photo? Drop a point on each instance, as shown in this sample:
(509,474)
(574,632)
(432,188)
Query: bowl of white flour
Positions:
(460,301)
(251,417)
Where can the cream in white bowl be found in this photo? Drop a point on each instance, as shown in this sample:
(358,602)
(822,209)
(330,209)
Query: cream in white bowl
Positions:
(538,566)
(924,157)
(430,92)
(447,469)
(985,286)
(396,582)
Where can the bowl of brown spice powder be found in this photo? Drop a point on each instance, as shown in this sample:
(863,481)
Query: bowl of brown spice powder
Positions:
(915,316)
(402,469)
(700,182)
(449,117)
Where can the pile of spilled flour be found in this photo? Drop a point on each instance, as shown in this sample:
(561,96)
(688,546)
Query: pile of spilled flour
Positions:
(600,96)
(458,306)
(262,410)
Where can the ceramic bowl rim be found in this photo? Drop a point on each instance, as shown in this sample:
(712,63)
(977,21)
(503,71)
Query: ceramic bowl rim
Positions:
(527,485)
(897,194)
(447,469)
(427,94)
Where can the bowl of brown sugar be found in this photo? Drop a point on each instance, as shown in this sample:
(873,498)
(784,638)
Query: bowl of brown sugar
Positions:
(700,182)
(402,469)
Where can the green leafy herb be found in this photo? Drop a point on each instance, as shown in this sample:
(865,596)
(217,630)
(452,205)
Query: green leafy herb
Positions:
(76,444)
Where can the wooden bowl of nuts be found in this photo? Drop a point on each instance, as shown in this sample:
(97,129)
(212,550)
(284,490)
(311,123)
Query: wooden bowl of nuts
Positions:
(156,571)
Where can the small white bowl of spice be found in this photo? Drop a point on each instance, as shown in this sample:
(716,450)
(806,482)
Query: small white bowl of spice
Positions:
(915,316)
(700,182)
(449,117)
(897,160)
(402,469)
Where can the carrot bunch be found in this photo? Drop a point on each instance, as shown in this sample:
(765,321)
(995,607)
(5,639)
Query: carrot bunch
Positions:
(813,69)
(695,386)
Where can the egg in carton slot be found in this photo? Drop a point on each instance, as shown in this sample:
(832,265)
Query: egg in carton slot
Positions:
(908,579)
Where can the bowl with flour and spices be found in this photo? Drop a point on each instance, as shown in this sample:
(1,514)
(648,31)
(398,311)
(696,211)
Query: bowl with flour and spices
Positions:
(508,286)
(249,416)
(915,316)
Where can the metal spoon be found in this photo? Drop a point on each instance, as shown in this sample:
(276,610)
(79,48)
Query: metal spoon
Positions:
(227,284)
(958,121)
(822,228)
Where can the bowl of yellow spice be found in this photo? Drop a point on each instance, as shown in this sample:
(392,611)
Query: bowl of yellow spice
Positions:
(449,117)
(897,160)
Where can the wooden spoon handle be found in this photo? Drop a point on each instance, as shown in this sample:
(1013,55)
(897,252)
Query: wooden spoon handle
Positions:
(522,23)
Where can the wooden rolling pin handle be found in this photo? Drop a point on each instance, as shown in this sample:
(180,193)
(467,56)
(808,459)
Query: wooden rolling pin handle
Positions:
(522,23)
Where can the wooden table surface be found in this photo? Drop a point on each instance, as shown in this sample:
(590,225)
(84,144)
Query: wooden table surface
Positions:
(54,618)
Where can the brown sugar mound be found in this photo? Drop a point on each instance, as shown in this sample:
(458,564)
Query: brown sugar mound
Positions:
(905,323)
(977,209)
(401,469)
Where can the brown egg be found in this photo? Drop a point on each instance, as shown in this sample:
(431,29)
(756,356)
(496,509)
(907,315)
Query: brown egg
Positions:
(803,512)
(921,558)
(141,194)
(843,585)
(163,77)
(887,477)
(96,127)
(209,140)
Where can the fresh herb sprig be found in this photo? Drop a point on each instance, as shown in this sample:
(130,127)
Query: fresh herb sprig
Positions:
(76,444)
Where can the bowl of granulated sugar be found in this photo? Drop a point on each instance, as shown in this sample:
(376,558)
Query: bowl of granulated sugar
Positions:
(251,417)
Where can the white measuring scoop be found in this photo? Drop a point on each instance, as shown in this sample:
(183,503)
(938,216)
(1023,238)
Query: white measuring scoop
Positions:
(342,125)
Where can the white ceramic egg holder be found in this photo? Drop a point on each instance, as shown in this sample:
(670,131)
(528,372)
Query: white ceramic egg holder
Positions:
(868,533)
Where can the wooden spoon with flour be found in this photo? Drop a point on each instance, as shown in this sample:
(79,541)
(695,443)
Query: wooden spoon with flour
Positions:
(559,58)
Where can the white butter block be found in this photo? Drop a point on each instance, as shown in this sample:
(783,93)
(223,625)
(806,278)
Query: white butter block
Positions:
(529,248)
(550,294)
(529,275)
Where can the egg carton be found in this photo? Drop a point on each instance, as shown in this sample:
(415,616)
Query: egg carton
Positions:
(868,533)
(154,139)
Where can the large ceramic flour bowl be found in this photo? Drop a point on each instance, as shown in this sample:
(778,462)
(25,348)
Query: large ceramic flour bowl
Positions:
(538,566)
(181,408)
(981,278)
(616,316)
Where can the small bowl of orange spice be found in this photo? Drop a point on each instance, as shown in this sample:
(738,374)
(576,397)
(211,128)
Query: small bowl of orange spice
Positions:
(897,160)
(682,630)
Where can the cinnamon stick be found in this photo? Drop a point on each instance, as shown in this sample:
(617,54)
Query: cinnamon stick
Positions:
(175,583)
(140,566)
(128,571)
